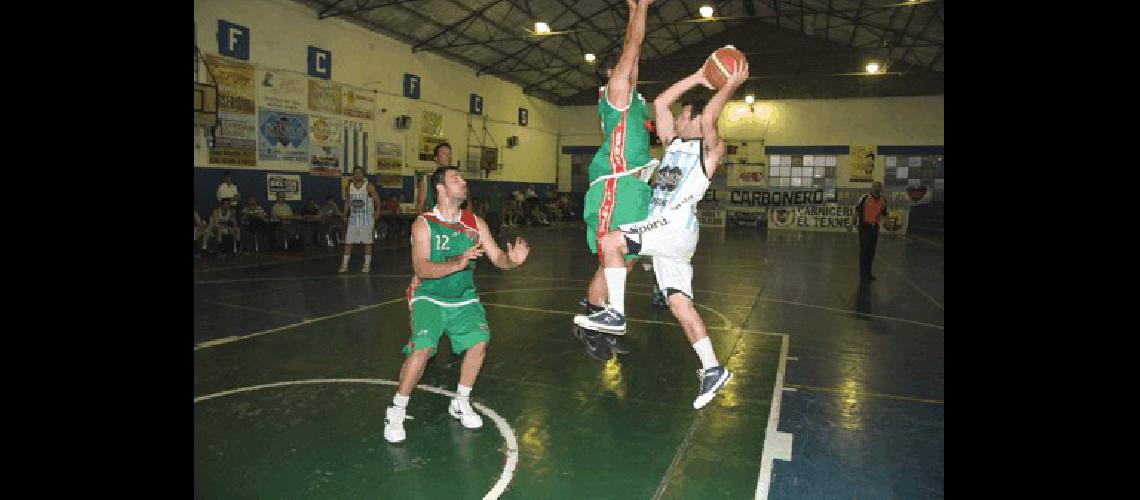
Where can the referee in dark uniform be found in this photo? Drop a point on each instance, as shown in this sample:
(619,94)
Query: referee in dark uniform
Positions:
(869,213)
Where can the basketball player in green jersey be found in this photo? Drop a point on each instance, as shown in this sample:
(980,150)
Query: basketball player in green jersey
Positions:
(618,173)
(445,243)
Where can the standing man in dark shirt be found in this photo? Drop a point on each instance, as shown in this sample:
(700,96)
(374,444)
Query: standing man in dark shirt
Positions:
(869,213)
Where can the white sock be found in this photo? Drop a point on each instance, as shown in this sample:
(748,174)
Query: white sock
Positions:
(464,391)
(401,401)
(615,282)
(705,351)
(344,261)
(367,260)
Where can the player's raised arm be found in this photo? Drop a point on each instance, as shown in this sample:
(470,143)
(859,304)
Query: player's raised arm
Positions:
(514,256)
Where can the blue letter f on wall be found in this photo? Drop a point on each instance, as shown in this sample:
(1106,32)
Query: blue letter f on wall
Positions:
(233,40)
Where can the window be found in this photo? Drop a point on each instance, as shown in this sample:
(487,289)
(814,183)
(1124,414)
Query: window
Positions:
(903,171)
(802,171)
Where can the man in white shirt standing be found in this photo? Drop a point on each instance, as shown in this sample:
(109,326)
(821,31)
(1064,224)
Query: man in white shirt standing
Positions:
(227,190)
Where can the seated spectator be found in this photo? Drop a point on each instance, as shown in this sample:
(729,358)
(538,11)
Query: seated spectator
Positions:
(201,231)
(390,215)
(330,208)
(554,211)
(495,209)
(255,220)
(509,213)
(537,216)
(224,221)
(282,216)
(281,209)
(314,226)
(330,213)
(563,204)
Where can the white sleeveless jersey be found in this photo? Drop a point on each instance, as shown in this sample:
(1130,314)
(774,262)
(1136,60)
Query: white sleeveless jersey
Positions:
(681,183)
(360,205)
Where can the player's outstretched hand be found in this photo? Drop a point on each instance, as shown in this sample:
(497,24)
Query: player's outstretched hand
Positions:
(738,76)
(471,253)
(518,251)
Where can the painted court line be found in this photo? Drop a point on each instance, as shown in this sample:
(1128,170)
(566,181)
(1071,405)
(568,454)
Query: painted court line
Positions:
(286,259)
(634,320)
(932,242)
(772,440)
(302,278)
(281,259)
(779,301)
(226,340)
(865,393)
(512,453)
(257,292)
(776,444)
(911,283)
(535,278)
(684,446)
(266,311)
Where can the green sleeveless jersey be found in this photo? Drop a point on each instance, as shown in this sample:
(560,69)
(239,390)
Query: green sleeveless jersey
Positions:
(626,133)
(448,240)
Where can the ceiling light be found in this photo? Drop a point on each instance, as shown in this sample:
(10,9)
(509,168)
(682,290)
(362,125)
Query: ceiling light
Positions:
(706,11)
(541,28)
(590,57)
(873,68)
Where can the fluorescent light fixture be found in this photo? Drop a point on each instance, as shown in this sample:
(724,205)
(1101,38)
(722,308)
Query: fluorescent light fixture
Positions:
(706,11)
(541,27)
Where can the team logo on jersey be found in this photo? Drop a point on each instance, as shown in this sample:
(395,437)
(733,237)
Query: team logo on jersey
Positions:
(483,326)
(668,178)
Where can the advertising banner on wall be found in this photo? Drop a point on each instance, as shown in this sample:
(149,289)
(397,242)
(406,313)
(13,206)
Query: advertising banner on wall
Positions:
(747,176)
(283,91)
(831,217)
(862,163)
(711,218)
(389,158)
(235,140)
(325,97)
(431,135)
(235,84)
(290,184)
(896,221)
(359,103)
(390,181)
(283,137)
(326,145)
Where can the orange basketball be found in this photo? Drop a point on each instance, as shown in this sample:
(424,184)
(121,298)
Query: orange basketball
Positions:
(721,64)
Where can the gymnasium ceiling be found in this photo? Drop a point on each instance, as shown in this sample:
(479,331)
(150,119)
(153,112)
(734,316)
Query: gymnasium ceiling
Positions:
(797,49)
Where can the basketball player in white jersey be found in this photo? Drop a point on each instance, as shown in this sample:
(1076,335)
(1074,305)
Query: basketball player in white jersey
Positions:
(670,233)
(361,208)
